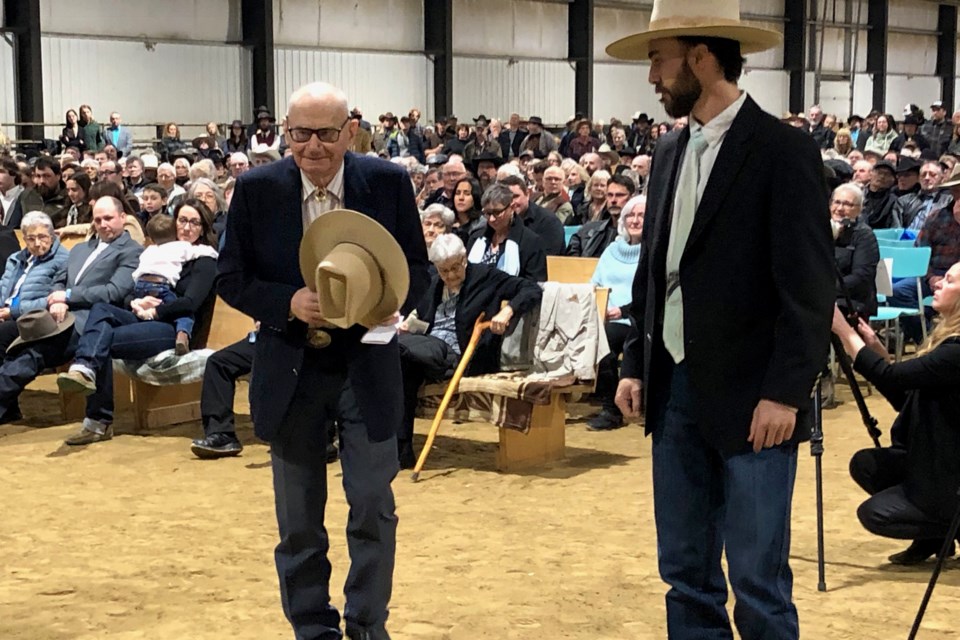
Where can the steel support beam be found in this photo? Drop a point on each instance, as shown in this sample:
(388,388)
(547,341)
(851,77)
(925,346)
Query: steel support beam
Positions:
(947,53)
(580,52)
(438,44)
(256,17)
(878,12)
(794,41)
(23,19)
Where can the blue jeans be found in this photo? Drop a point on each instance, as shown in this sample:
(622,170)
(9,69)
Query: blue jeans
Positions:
(905,295)
(704,502)
(298,456)
(112,332)
(163,292)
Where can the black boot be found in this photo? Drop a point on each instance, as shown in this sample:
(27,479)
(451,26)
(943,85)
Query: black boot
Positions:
(919,551)
(608,419)
(408,460)
(217,445)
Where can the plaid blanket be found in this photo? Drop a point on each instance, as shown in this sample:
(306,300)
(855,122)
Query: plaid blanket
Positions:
(166,368)
(504,399)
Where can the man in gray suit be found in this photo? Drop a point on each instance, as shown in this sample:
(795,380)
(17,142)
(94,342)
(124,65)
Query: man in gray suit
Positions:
(99,270)
(119,137)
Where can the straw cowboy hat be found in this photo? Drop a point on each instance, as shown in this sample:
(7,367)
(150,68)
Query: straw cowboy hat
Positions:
(36,325)
(710,18)
(356,267)
(953,180)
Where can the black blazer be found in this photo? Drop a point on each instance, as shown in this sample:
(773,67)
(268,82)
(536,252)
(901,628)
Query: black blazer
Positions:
(546,225)
(926,392)
(593,238)
(260,272)
(483,289)
(757,276)
(857,253)
(508,150)
(533,258)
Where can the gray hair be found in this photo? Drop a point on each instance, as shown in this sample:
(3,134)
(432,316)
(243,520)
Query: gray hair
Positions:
(202,169)
(89,162)
(164,166)
(437,209)
(497,194)
(855,192)
(509,169)
(445,247)
(239,156)
(628,208)
(34,218)
(213,186)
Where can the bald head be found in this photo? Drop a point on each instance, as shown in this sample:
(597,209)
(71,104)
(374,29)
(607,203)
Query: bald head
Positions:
(319,130)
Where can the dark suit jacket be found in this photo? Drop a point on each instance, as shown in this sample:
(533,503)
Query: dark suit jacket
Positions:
(511,151)
(757,276)
(260,272)
(546,225)
(592,238)
(483,289)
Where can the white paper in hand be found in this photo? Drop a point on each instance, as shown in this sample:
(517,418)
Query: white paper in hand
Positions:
(381,334)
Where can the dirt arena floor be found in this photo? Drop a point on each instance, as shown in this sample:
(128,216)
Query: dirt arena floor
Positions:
(134,538)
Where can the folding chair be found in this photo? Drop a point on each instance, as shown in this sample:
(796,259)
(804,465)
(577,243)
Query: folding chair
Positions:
(905,262)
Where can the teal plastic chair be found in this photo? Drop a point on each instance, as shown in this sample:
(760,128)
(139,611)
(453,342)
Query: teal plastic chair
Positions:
(888,234)
(908,262)
(886,242)
(569,231)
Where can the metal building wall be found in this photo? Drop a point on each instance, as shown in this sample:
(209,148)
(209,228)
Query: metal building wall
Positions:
(8,109)
(191,83)
(375,82)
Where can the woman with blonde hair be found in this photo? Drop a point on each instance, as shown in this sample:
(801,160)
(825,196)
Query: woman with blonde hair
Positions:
(843,142)
(913,483)
(594,199)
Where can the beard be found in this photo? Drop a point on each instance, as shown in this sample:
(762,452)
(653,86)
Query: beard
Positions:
(678,101)
(46,192)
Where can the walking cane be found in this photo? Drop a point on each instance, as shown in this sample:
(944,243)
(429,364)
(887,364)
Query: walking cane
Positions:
(478,328)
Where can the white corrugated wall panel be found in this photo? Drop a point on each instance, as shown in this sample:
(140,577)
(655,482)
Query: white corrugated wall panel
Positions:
(620,90)
(375,82)
(8,84)
(203,20)
(189,83)
(510,27)
(499,87)
(835,95)
(911,54)
(904,90)
(383,25)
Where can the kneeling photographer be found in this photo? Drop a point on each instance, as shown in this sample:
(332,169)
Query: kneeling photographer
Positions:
(913,483)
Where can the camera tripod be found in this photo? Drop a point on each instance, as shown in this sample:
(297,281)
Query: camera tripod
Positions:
(816,443)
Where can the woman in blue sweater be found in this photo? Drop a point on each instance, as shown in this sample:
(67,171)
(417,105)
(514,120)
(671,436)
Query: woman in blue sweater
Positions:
(30,273)
(615,270)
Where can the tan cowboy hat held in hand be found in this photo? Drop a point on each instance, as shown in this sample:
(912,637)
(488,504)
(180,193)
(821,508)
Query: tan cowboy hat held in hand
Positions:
(710,18)
(355,266)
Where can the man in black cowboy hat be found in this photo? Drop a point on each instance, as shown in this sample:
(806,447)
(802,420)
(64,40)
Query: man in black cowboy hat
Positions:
(854,123)
(538,140)
(639,135)
(481,143)
(911,124)
(266,132)
(881,208)
(908,177)
(484,166)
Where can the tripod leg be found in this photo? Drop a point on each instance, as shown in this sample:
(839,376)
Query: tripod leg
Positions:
(816,450)
(941,558)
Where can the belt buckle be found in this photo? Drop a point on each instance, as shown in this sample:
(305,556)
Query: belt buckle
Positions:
(318,338)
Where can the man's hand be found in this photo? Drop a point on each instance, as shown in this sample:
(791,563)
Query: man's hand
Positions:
(500,322)
(56,297)
(772,424)
(614,313)
(628,397)
(149,302)
(305,306)
(59,311)
(146,314)
(4,314)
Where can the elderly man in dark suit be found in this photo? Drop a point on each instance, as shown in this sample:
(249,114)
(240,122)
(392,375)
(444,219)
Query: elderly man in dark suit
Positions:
(99,270)
(296,386)
(732,305)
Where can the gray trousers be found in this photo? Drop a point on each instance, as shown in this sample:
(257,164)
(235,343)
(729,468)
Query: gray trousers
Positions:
(300,487)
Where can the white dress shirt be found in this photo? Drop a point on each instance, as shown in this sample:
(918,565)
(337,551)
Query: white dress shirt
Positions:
(316,201)
(7,199)
(100,248)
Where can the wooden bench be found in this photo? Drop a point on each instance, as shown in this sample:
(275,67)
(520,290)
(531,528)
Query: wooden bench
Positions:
(157,406)
(546,439)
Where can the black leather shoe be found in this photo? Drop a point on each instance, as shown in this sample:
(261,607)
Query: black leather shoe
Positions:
(216,445)
(367,634)
(919,551)
(606,420)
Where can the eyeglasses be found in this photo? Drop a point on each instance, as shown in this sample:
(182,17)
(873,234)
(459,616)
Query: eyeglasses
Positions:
(327,134)
(493,213)
(189,222)
(36,238)
(108,172)
(844,203)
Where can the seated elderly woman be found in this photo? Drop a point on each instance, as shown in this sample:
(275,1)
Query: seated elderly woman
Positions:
(856,251)
(435,334)
(615,271)
(506,243)
(145,328)
(913,483)
(436,220)
(29,274)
